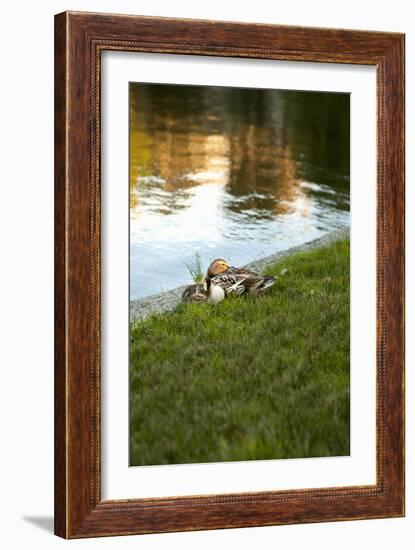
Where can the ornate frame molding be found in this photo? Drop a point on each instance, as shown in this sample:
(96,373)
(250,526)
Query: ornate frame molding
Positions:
(79,40)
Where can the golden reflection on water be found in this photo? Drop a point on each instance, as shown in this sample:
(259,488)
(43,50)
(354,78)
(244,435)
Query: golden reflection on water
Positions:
(181,160)
(184,160)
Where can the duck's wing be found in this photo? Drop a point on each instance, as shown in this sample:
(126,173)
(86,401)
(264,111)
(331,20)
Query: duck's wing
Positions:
(241,282)
(257,284)
(230,282)
(240,270)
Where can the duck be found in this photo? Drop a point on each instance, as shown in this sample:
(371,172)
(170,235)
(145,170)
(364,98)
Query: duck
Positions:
(223,280)
(196,293)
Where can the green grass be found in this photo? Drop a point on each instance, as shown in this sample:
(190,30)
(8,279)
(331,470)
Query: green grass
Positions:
(250,378)
(195,269)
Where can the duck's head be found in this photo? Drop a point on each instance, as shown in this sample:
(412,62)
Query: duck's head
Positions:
(217,266)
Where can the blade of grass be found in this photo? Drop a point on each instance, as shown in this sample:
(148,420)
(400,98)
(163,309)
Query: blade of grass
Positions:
(194,268)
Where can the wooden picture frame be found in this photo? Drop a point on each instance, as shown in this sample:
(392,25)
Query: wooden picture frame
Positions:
(79,40)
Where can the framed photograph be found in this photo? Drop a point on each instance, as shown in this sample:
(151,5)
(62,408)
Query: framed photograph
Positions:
(229,275)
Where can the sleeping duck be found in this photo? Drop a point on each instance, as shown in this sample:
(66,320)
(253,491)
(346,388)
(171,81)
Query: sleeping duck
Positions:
(195,294)
(223,280)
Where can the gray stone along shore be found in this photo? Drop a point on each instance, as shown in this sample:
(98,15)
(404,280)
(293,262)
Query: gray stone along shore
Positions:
(166,301)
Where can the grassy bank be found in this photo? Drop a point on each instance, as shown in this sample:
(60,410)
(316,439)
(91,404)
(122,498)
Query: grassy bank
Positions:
(250,378)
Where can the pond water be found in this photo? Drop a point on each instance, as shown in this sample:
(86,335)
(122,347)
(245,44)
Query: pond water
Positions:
(233,173)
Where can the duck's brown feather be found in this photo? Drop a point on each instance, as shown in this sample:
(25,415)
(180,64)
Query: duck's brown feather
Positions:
(194,294)
(238,281)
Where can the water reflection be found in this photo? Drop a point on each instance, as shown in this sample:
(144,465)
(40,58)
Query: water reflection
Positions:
(230,172)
